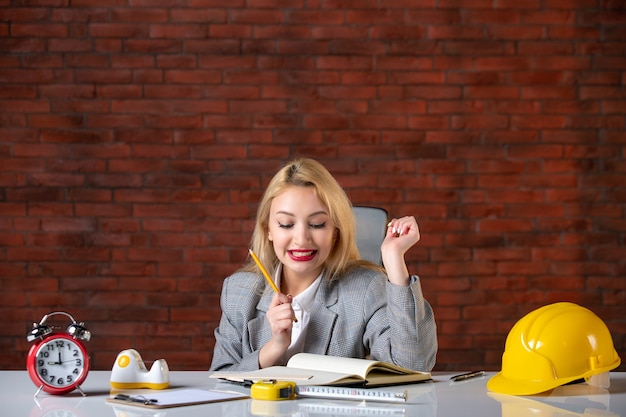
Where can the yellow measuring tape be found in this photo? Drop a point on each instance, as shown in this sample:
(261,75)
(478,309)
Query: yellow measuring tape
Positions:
(273,390)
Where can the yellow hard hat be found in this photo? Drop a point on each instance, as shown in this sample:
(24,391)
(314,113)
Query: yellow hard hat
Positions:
(551,346)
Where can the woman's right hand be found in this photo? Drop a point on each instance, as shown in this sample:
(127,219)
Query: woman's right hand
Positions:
(280,317)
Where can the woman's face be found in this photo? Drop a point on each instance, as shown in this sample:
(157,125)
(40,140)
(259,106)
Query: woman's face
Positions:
(301,232)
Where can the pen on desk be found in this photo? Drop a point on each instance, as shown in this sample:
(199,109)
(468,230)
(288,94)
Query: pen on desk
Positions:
(266,275)
(463,377)
(138,399)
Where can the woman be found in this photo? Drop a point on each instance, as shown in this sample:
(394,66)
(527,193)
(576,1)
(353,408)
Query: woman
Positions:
(305,237)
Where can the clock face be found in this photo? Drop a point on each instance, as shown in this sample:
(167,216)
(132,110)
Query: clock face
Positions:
(59,363)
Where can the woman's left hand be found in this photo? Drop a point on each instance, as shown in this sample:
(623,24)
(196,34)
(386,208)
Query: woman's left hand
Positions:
(401,235)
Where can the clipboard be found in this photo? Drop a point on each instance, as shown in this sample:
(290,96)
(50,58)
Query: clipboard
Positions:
(175,398)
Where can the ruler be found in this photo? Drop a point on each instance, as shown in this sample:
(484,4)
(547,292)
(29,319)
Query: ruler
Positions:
(345,393)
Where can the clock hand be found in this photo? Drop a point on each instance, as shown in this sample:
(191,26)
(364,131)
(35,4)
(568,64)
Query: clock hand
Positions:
(59,362)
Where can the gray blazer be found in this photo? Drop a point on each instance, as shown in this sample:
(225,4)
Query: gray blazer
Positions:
(359,315)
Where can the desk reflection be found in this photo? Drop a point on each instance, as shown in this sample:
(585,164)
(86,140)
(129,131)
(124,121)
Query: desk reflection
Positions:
(121,411)
(52,406)
(566,401)
(438,398)
(422,402)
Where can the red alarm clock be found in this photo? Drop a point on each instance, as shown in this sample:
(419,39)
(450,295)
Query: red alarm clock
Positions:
(58,362)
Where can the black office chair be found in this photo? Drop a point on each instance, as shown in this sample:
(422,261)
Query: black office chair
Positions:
(371,226)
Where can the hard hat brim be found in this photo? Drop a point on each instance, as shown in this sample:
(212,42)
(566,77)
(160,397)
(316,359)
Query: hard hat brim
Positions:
(503,385)
(500,384)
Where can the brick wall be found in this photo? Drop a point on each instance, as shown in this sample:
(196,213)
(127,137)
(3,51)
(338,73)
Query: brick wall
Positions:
(136,137)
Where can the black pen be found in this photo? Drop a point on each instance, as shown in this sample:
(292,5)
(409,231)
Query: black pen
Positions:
(463,377)
(139,399)
(244,382)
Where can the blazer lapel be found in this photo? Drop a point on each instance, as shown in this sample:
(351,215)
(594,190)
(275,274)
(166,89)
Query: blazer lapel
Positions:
(322,320)
(320,327)
(259,332)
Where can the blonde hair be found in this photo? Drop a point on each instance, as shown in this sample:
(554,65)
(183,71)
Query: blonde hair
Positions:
(306,172)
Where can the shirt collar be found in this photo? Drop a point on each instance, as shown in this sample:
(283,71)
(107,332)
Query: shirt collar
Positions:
(306,297)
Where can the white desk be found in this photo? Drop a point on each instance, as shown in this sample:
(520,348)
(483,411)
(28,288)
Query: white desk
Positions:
(438,398)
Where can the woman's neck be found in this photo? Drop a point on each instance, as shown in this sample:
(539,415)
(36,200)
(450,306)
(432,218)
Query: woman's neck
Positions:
(294,284)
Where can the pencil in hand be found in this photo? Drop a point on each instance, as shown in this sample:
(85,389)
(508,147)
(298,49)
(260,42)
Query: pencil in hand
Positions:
(266,275)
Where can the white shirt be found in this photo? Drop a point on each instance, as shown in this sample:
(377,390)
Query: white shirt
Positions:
(301,305)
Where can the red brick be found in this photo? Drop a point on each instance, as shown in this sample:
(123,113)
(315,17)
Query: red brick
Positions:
(50,209)
(31,254)
(33,194)
(11,239)
(67,224)
(49,30)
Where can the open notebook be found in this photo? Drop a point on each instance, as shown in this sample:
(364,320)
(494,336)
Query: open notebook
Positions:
(313,369)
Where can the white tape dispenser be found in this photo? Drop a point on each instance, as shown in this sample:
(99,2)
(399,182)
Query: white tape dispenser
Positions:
(129,372)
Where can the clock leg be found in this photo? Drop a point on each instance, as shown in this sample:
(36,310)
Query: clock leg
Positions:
(38,391)
(81,390)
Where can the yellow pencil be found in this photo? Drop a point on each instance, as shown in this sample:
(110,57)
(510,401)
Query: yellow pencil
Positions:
(266,275)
